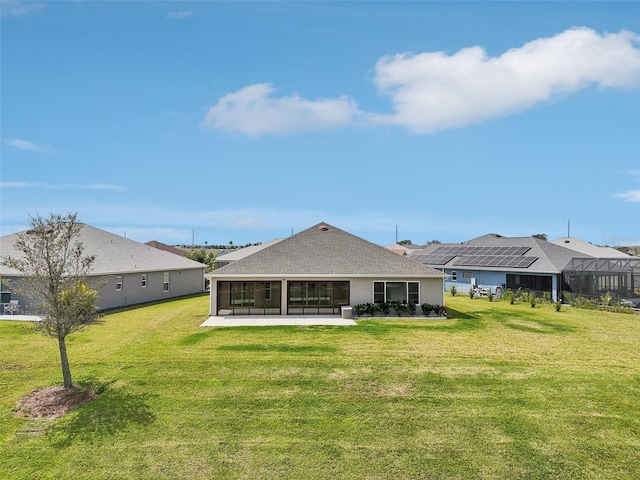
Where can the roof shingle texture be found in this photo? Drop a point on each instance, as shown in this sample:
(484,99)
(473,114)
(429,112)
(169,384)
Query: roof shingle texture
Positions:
(114,254)
(552,258)
(324,250)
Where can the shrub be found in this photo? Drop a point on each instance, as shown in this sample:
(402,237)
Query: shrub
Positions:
(490,296)
(385,308)
(400,308)
(411,308)
(366,309)
(546,297)
(510,297)
(471,293)
(453,290)
(533,300)
(441,310)
(360,309)
(427,308)
(606,300)
(557,305)
(567,297)
(372,308)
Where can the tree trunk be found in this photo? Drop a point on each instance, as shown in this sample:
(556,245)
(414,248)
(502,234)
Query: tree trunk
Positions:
(64,361)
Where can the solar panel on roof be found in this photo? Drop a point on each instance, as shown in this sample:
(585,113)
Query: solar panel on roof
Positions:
(511,261)
(431,259)
(526,262)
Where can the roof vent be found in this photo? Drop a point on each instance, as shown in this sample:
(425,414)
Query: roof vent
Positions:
(323,227)
(567,241)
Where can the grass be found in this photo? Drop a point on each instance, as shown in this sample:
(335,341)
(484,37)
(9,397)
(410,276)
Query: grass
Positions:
(497,391)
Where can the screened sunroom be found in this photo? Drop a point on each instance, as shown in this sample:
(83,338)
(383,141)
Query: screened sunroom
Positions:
(594,277)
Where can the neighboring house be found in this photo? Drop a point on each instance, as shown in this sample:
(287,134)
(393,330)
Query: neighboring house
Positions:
(596,271)
(595,277)
(317,271)
(399,249)
(589,249)
(167,248)
(228,256)
(497,263)
(126,271)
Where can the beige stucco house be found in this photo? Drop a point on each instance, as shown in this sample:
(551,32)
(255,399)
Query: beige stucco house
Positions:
(317,272)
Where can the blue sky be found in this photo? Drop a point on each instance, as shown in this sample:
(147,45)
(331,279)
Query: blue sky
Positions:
(246,121)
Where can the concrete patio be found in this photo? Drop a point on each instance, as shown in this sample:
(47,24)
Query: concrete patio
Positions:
(275,320)
(20,318)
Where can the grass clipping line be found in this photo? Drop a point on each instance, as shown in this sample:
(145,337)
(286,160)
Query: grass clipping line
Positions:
(53,402)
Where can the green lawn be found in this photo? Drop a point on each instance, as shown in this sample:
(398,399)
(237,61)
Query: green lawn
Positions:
(497,391)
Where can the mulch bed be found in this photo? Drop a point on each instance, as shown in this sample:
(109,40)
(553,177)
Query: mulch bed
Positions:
(53,402)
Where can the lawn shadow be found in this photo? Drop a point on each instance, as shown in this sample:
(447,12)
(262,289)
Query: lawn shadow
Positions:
(115,410)
(280,348)
(456,321)
(196,338)
(539,326)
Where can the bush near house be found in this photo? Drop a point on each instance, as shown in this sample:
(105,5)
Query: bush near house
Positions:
(606,303)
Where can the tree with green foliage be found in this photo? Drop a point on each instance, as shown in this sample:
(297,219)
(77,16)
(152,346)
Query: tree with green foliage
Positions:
(203,256)
(53,269)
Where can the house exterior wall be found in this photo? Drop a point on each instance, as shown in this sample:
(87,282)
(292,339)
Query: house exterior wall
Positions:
(181,282)
(488,279)
(360,289)
(492,280)
(431,289)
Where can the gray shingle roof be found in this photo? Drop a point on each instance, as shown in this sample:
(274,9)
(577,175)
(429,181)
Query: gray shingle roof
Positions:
(240,253)
(590,249)
(114,254)
(552,258)
(324,250)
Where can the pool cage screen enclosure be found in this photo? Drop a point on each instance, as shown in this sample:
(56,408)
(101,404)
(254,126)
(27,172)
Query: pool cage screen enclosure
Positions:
(594,277)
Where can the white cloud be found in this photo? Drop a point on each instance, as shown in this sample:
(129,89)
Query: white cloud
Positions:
(15,8)
(434,91)
(28,146)
(179,15)
(630,196)
(62,186)
(252,110)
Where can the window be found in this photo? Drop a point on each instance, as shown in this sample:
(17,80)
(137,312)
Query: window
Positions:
(316,297)
(119,283)
(467,274)
(166,282)
(378,292)
(144,280)
(413,294)
(454,276)
(259,298)
(407,292)
(242,294)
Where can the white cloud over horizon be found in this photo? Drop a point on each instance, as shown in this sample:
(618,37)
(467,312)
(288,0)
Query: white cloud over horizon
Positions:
(179,15)
(16,8)
(63,186)
(434,91)
(252,111)
(27,146)
(629,196)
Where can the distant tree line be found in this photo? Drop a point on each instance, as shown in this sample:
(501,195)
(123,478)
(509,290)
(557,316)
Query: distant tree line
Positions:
(229,246)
